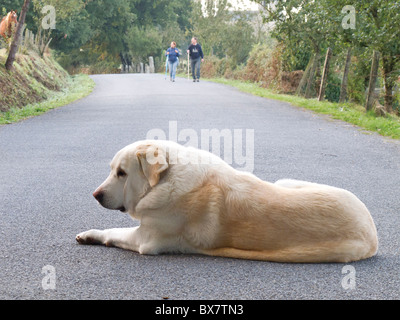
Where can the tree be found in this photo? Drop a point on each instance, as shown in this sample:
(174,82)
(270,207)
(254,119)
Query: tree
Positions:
(380,30)
(239,38)
(210,24)
(104,30)
(223,32)
(157,24)
(111,20)
(73,26)
(143,42)
(17,36)
(320,24)
(305,24)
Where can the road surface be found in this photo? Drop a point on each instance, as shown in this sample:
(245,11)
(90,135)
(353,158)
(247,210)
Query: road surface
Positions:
(51,164)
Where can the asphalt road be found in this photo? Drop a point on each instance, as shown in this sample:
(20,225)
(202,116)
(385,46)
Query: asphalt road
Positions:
(51,164)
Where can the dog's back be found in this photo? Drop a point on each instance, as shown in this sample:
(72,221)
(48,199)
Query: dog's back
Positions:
(308,223)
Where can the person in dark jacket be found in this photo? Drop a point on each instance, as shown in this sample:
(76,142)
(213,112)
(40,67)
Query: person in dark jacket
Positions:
(173,59)
(196,57)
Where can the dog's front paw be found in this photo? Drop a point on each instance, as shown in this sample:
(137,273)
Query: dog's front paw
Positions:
(89,237)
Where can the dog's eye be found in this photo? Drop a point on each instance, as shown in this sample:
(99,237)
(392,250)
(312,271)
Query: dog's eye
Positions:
(121,173)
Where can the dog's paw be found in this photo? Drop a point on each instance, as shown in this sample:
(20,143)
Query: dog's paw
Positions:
(89,237)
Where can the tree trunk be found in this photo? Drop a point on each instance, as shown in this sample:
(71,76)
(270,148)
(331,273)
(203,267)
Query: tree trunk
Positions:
(390,81)
(17,36)
(372,81)
(325,75)
(310,81)
(304,78)
(345,80)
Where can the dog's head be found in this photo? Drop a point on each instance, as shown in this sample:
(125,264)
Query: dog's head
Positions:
(134,171)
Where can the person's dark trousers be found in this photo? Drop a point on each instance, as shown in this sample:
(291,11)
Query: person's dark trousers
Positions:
(195,64)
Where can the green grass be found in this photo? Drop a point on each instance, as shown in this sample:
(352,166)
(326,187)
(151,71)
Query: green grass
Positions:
(79,87)
(386,126)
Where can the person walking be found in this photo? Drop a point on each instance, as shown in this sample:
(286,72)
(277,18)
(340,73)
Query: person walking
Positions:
(196,57)
(172,55)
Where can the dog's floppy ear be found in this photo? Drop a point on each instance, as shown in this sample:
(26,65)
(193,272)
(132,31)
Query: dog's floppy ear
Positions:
(153,161)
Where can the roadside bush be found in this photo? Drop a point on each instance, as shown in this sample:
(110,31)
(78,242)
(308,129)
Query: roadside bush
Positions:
(82,61)
(264,66)
(213,67)
(290,81)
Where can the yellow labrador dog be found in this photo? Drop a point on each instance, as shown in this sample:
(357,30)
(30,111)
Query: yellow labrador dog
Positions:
(190,201)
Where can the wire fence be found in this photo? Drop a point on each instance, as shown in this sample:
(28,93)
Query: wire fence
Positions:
(385,88)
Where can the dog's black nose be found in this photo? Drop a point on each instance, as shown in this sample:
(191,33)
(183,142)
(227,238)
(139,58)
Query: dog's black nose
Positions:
(98,195)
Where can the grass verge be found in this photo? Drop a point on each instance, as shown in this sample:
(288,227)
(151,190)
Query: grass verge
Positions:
(386,126)
(79,87)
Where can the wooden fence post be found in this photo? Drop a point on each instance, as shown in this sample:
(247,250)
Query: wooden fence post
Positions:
(372,81)
(325,75)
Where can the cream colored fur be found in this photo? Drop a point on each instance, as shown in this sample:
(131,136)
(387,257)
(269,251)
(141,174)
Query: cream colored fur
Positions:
(190,201)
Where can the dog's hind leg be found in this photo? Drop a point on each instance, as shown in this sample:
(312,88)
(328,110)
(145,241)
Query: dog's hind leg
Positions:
(335,251)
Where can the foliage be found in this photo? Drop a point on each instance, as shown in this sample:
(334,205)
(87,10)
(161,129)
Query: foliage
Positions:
(105,28)
(315,25)
(223,32)
(264,67)
(143,42)
(96,33)
(238,39)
